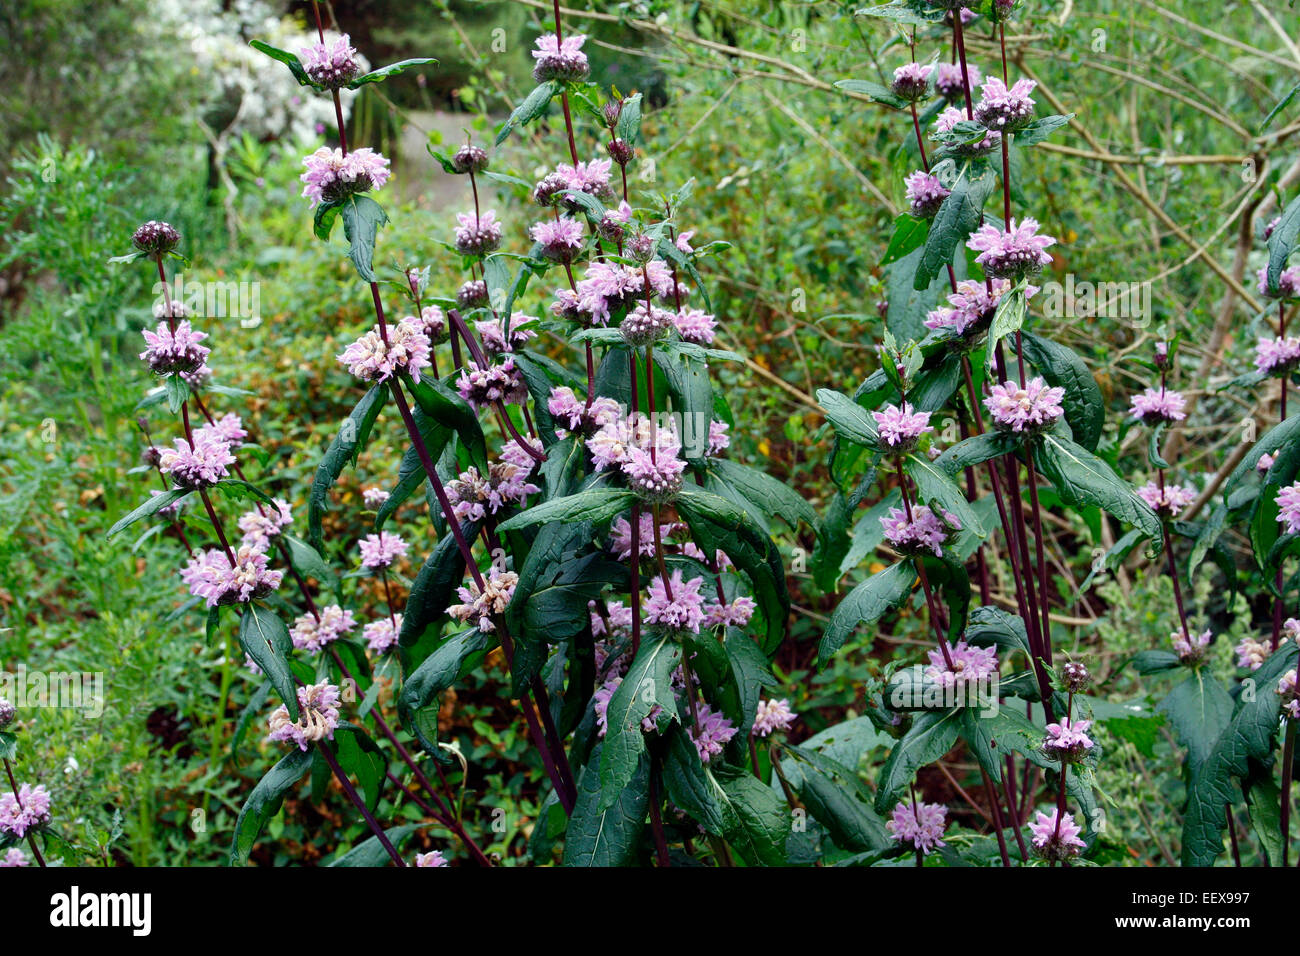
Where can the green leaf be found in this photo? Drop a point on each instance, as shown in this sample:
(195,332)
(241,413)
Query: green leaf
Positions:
(850,419)
(451,660)
(1199,709)
(909,234)
(744,486)
(1041,128)
(649,683)
(852,824)
(1081,478)
(150,507)
(974,451)
(1282,241)
(874,91)
(1085,409)
(178,393)
(265,639)
(1281,105)
(757,821)
(392,69)
(597,505)
(344,447)
(866,604)
(1281,441)
(1251,736)
(1007,319)
(628,127)
(434,585)
(359,757)
(362,217)
(287,58)
(308,561)
(609,835)
(446,407)
(688,783)
(264,802)
(931,736)
(933,485)
(371,853)
(957,218)
(718,525)
(532,107)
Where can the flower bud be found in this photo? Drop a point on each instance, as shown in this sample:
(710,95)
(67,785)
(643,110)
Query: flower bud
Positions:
(620,151)
(641,248)
(156,238)
(7,712)
(470,159)
(1075,677)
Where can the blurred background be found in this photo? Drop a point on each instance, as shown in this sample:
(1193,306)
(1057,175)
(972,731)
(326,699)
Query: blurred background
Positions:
(112,114)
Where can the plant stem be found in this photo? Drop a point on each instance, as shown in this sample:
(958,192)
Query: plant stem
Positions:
(360,804)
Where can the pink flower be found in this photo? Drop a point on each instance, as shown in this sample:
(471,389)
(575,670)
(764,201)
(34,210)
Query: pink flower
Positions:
(927,531)
(1279,356)
(620,535)
(1068,740)
(560,239)
(970,309)
(211,576)
(695,325)
(374,497)
(25,811)
(683,611)
(719,440)
(1053,842)
(925,194)
(919,825)
(558,60)
(1005,109)
(600,706)
(262,525)
(477,235)
(310,634)
(771,716)
(977,666)
(1286,689)
(331,176)
(901,427)
(379,551)
(1265,463)
(229,428)
(1166,502)
(736,614)
(434,858)
(948,80)
(474,497)
(494,338)
(382,635)
(911,81)
(1032,408)
(1288,503)
(169,351)
(591,178)
(655,477)
(712,734)
(569,409)
(199,466)
(1157,405)
(501,382)
(13,857)
(481,607)
(372,359)
(318,715)
(332,65)
(431,322)
(1252,653)
(1288,284)
(1013,254)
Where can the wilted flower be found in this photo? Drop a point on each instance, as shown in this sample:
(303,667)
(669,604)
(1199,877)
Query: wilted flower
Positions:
(1075,677)
(318,715)
(7,712)
(480,607)
(1190,647)
(472,295)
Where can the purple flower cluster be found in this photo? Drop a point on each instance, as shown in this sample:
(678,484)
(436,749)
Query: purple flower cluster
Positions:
(1166,501)
(1288,284)
(1156,406)
(576,415)
(772,716)
(560,59)
(1053,842)
(1288,504)
(382,635)
(736,613)
(372,359)
(174,350)
(331,176)
(901,427)
(1286,689)
(924,193)
(682,611)
(474,497)
(379,551)
(264,524)
(925,532)
(1029,409)
(477,234)
(1014,253)
(919,825)
(948,80)
(211,575)
(481,607)
(310,633)
(1068,740)
(1006,109)
(911,81)
(1277,356)
(25,811)
(712,734)
(1191,648)
(499,382)
(333,64)
(318,716)
(971,666)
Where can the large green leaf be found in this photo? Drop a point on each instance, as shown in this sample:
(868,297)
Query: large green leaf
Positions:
(1282,241)
(607,835)
(851,420)
(757,821)
(371,853)
(264,802)
(1085,409)
(434,585)
(265,639)
(597,505)
(866,604)
(344,447)
(648,683)
(1081,478)
(932,735)
(1199,709)
(150,507)
(533,106)
(958,217)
